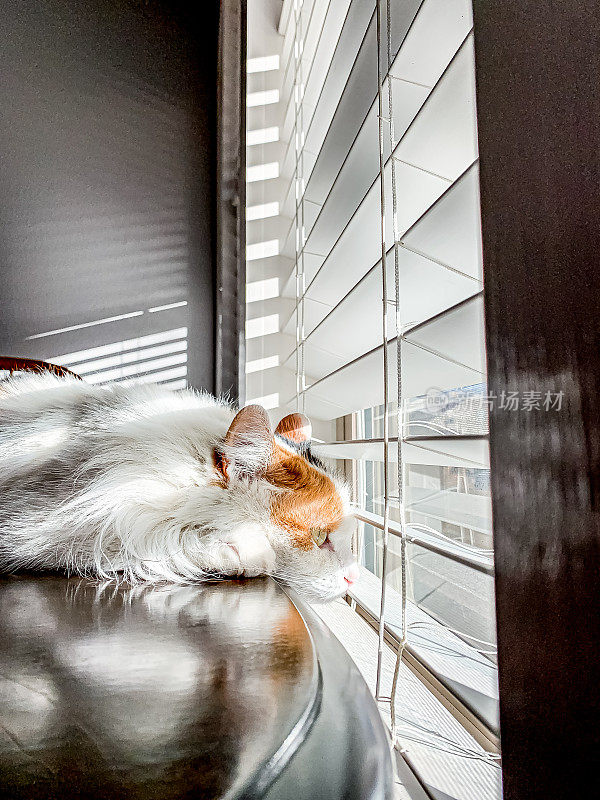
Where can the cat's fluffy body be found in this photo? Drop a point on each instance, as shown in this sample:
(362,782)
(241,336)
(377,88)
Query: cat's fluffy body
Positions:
(122,481)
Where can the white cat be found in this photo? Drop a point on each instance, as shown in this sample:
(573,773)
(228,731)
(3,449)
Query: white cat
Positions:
(157,485)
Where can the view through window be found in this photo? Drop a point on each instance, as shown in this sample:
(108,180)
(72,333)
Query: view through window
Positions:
(365,311)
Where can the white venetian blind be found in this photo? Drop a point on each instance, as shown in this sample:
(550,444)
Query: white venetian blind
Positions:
(379,269)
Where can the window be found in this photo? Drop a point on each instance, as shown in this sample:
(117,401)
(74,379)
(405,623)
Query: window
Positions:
(380,341)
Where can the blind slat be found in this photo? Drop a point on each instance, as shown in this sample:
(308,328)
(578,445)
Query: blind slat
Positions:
(430,542)
(448,451)
(440,26)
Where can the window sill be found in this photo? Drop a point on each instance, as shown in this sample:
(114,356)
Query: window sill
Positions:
(464,671)
(434,753)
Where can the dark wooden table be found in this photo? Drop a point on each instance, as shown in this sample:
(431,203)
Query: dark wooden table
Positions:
(168,692)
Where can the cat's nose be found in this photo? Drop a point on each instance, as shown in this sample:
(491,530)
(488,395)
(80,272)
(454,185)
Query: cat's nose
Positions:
(352,574)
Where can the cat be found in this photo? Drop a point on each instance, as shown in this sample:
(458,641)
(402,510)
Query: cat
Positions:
(145,484)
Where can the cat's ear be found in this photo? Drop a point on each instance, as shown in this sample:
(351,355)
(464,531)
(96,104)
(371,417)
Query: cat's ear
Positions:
(248,444)
(296,427)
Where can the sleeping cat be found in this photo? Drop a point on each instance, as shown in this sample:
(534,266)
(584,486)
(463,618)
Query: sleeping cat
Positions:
(156,485)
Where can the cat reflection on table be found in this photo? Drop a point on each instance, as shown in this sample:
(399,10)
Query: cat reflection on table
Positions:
(181,688)
(150,485)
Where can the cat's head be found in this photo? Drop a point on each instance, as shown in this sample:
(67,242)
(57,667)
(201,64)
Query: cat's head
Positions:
(302,507)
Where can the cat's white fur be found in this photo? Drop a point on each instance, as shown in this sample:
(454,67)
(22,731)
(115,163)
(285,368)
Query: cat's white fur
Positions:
(111,481)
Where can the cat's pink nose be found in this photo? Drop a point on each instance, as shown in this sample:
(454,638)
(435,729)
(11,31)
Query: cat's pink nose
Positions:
(352,574)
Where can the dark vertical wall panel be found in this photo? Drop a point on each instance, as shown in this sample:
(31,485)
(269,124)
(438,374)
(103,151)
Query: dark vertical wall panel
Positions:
(231,204)
(107,174)
(538,94)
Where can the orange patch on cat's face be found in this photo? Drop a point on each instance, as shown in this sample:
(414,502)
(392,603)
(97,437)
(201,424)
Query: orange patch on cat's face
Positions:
(309,500)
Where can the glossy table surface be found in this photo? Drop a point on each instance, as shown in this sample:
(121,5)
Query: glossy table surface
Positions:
(166,692)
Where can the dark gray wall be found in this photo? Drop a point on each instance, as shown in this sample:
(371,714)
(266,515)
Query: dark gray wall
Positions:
(538,98)
(108,175)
